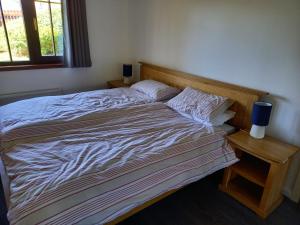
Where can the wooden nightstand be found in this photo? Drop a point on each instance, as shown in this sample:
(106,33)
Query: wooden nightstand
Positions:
(117,84)
(257,179)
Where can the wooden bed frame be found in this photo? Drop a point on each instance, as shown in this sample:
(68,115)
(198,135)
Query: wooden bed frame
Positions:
(243,97)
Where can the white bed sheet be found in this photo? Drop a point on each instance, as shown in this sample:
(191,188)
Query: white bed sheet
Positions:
(66,107)
(94,170)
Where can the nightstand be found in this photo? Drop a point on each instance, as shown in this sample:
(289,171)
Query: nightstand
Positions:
(117,84)
(257,179)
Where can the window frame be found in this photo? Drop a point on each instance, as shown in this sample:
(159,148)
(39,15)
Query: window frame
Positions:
(36,60)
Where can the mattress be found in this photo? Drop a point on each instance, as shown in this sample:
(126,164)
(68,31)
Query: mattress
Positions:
(92,170)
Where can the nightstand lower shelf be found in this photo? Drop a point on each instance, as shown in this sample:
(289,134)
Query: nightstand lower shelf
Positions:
(257,179)
(246,190)
(254,182)
(249,198)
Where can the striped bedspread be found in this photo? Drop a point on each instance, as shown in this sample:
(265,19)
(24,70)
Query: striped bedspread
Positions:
(50,109)
(90,171)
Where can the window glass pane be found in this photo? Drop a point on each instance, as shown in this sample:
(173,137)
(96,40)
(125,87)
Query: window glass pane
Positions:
(14,20)
(45,28)
(50,25)
(4,54)
(57,28)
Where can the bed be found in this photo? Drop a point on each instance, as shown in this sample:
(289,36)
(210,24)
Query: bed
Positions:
(105,167)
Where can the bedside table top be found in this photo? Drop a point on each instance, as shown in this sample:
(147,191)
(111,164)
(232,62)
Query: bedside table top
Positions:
(117,83)
(268,148)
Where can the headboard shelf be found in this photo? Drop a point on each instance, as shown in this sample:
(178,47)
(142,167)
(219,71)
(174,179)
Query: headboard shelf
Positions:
(243,97)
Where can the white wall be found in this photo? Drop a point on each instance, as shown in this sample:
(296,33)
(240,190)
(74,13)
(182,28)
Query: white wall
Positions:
(250,43)
(108,34)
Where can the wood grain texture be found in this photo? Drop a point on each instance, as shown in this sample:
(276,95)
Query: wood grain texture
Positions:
(243,97)
(264,168)
(117,84)
(268,148)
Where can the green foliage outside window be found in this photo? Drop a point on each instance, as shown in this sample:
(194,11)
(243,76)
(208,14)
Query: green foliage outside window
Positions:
(18,40)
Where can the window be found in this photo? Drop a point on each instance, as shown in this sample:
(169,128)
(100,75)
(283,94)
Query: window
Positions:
(31,32)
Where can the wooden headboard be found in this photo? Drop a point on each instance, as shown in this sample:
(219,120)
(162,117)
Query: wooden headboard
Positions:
(243,97)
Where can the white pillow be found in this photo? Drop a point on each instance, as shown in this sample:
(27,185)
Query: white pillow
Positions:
(199,105)
(156,90)
(223,118)
(219,120)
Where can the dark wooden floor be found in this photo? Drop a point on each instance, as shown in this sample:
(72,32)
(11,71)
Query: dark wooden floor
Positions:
(202,204)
